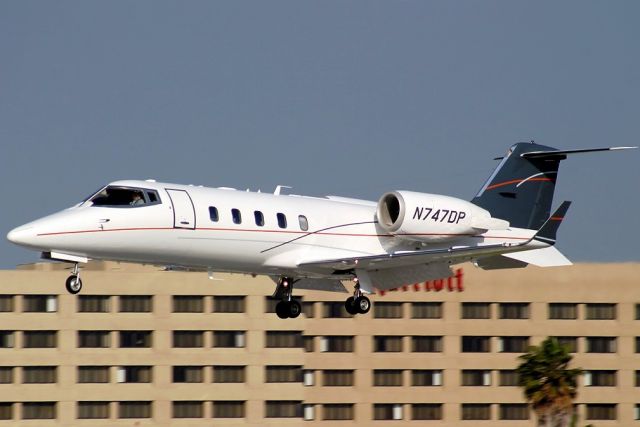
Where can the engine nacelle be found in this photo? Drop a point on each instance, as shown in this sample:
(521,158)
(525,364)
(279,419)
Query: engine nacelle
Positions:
(433,218)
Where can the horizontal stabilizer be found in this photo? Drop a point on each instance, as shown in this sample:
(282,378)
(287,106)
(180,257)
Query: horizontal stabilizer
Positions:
(545,257)
(563,153)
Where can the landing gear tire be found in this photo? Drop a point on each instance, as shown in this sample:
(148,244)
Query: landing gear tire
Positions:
(73,284)
(294,309)
(362,304)
(350,306)
(288,309)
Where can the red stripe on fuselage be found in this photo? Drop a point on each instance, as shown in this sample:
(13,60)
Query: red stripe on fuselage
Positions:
(56,233)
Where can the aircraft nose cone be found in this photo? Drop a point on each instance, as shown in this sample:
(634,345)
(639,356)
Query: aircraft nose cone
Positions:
(20,235)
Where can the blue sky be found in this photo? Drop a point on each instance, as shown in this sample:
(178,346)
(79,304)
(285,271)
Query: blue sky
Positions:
(331,97)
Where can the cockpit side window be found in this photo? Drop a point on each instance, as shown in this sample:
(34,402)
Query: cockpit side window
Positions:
(125,197)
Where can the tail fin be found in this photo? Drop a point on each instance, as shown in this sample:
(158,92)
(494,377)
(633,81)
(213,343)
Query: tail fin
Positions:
(520,190)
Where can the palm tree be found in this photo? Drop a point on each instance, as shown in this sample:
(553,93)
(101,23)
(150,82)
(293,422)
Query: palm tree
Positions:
(548,384)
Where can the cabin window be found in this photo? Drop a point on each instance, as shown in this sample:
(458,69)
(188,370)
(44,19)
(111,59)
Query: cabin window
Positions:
(304,224)
(259,218)
(213,214)
(124,197)
(282,220)
(237,217)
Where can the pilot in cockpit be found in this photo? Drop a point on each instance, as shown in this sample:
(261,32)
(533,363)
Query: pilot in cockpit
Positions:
(137,199)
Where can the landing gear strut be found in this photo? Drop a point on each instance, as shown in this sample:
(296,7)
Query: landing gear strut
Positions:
(287,307)
(73,283)
(358,303)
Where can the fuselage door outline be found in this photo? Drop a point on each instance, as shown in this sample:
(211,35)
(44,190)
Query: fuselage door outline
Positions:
(184,213)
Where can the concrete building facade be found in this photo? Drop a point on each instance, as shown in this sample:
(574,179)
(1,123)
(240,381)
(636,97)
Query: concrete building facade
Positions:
(140,346)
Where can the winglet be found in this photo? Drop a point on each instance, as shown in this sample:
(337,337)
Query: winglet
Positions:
(547,232)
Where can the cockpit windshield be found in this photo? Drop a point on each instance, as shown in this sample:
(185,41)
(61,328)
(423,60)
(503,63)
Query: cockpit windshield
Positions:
(124,197)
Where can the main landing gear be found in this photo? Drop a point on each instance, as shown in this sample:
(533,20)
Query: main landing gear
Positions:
(73,283)
(358,303)
(287,307)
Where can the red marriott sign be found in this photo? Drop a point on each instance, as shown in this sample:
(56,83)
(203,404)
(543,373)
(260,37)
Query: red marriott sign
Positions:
(454,283)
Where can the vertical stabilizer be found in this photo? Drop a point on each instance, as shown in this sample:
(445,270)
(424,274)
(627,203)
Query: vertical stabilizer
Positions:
(520,190)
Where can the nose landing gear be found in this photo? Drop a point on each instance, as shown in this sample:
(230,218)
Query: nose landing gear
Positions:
(73,283)
(287,307)
(358,303)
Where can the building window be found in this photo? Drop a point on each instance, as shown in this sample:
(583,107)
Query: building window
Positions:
(604,311)
(334,310)
(135,339)
(337,411)
(426,310)
(283,409)
(387,310)
(6,374)
(514,310)
(93,374)
(188,304)
(228,339)
(94,304)
(304,223)
(188,374)
(6,410)
(387,377)
(514,411)
(513,344)
(134,409)
(7,339)
(472,344)
(188,339)
(94,339)
(187,409)
(236,216)
(387,343)
(282,220)
(426,411)
(39,410)
(601,344)
(601,411)
(476,310)
(39,339)
(283,374)
(476,411)
(134,374)
(337,377)
(426,377)
(228,304)
(6,303)
(426,344)
(136,304)
(387,411)
(600,378)
(508,378)
(39,374)
(284,339)
(39,304)
(476,377)
(213,214)
(93,410)
(229,374)
(637,311)
(563,310)
(337,344)
(570,343)
(308,343)
(228,409)
(308,309)
(259,217)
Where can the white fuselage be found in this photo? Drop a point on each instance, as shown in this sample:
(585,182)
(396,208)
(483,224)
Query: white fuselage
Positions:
(180,229)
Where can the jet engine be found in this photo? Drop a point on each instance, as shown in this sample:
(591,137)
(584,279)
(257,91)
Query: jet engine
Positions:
(433,218)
